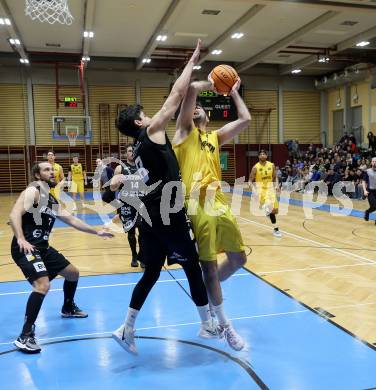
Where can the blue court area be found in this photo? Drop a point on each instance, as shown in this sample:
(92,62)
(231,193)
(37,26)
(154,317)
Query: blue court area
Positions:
(288,345)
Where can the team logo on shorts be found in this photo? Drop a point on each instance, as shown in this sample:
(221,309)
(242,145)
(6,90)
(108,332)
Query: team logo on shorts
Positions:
(39,266)
(30,257)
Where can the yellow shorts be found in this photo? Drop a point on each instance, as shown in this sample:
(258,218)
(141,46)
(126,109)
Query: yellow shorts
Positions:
(215,234)
(77,186)
(268,197)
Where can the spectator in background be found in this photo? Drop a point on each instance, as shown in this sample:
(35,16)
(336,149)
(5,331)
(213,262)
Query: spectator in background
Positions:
(363,164)
(359,192)
(330,180)
(371,143)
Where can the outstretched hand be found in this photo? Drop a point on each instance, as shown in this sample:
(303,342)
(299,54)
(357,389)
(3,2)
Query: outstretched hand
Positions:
(235,87)
(196,54)
(104,234)
(210,79)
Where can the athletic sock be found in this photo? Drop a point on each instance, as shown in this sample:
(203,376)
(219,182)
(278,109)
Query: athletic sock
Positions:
(131,317)
(204,313)
(220,313)
(69,289)
(33,306)
(133,245)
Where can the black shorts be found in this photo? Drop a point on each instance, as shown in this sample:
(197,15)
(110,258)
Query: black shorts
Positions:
(175,241)
(43,262)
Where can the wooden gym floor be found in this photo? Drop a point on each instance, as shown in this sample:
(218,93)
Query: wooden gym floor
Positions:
(327,262)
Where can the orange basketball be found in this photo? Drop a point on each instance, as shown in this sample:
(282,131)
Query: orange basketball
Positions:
(224,77)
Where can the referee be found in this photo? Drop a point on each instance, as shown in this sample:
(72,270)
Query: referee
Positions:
(369,187)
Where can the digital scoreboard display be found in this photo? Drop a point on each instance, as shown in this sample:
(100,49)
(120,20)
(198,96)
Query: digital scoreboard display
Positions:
(71,101)
(218,107)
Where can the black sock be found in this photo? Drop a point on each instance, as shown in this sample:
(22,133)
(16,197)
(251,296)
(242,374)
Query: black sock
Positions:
(133,244)
(33,306)
(273,218)
(69,291)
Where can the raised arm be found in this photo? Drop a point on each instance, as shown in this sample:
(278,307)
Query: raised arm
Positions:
(156,130)
(184,123)
(230,130)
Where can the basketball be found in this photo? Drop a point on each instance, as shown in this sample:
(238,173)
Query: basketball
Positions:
(224,77)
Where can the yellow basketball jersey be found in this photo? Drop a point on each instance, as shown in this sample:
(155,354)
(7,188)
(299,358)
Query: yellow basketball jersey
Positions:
(264,174)
(77,172)
(198,158)
(57,169)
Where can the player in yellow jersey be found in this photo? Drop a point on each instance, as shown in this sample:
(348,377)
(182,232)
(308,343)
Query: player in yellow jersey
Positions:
(214,225)
(264,184)
(76,178)
(58,173)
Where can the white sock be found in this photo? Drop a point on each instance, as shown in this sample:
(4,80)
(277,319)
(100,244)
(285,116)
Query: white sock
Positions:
(211,308)
(204,313)
(220,313)
(131,317)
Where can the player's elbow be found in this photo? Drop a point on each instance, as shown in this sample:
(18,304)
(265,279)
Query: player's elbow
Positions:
(245,121)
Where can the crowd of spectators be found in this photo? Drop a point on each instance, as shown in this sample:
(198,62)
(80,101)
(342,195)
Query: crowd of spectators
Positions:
(345,162)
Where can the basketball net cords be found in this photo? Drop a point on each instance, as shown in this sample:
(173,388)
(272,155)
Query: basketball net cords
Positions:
(49,11)
(72,137)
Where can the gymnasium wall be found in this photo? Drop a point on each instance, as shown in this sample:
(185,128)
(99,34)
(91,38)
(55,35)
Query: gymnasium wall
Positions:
(301,116)
(366,100)
(364,91)
(119,87)
(373,111)
(13,115)
(108,90)
(333,94)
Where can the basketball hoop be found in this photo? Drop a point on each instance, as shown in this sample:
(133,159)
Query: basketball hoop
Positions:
(72,138)
(49,11)
(72,134)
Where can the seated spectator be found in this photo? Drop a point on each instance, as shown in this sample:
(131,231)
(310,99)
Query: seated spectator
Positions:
(331,179)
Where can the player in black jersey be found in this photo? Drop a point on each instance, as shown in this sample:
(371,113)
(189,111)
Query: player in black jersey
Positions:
(32,219)
(157,166)
(128,215)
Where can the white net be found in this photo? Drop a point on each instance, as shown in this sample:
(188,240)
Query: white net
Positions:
(49,11)
(72,134)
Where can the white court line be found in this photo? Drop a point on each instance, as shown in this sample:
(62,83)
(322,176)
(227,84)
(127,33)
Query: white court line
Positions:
(326,246)
(315,268)
(285,313)
(114,285)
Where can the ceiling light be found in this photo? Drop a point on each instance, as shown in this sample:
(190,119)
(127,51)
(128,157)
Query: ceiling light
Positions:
(197,67)
(14,41)
(216,52)
(88,34)
(323,59)
(146,61)
(362,43)
(5,21)
(24,60)
(296,71)
(85,58)
(161,38)
(237,35)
